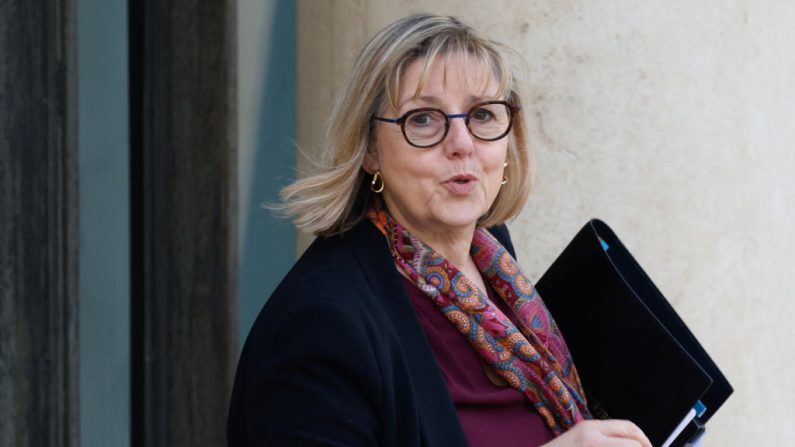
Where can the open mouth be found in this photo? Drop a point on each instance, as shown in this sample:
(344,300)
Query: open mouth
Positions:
(462,179)
(462,184)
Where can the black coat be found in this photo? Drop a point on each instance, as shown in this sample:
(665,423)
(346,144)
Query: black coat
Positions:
(337,357)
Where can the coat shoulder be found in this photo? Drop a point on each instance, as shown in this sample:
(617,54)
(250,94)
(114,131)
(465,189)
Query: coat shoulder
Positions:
(504,236)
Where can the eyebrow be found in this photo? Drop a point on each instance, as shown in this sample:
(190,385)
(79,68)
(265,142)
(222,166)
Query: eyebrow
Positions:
(434,101)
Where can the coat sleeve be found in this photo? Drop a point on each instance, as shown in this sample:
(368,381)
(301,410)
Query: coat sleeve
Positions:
(309,377)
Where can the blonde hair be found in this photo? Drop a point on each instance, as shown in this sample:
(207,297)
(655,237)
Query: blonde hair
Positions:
(336,198)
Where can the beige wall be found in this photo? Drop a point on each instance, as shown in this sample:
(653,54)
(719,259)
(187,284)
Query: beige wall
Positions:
(674,121)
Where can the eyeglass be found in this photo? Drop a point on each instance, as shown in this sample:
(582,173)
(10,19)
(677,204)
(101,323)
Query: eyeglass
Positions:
(428,126)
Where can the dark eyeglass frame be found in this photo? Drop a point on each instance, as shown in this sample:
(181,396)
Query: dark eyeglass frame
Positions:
(401,121)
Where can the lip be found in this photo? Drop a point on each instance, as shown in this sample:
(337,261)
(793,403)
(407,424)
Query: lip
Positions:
(461,184)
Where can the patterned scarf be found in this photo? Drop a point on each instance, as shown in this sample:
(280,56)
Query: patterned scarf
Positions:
(532,358)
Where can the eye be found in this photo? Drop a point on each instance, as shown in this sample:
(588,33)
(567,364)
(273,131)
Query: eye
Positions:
(481,115)
(422,119)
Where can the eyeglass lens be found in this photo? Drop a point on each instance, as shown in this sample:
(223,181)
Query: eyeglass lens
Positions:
(427,127)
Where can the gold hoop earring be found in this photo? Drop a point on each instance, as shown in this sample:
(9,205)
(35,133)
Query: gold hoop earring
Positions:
(504,177)
(376,179)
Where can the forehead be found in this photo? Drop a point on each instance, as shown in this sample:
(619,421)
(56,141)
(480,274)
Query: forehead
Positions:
(447,74)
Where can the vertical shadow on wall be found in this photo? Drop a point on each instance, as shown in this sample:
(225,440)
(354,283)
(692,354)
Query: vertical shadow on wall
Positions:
(267,248)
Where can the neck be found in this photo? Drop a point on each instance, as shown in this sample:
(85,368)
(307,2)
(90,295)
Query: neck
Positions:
(452,243)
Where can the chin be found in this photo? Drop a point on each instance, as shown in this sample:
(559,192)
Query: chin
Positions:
(458,218)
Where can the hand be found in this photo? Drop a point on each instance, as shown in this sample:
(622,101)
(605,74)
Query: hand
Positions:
(596,433)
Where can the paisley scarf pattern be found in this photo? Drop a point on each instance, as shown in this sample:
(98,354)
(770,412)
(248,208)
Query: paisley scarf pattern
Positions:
(533,358)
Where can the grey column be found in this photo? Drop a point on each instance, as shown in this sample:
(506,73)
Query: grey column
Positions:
(38,225)
(184,183)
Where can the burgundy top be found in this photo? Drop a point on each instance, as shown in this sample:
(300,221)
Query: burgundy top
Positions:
(490,415)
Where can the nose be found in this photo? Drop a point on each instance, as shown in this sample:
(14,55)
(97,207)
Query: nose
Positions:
(459,142)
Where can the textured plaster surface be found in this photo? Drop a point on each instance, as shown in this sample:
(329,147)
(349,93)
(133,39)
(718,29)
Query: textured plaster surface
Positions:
(673,121)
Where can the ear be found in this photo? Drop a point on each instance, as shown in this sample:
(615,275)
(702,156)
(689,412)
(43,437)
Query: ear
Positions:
(370,162)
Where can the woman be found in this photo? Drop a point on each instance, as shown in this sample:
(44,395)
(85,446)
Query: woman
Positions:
(406,322)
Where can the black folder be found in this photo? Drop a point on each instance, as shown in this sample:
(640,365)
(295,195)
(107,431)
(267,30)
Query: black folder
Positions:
(636,358)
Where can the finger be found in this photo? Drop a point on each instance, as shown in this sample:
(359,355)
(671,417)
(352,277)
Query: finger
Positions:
(619,428)
(621,442)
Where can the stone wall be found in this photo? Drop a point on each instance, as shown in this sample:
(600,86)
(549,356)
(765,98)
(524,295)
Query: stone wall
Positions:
(672,121)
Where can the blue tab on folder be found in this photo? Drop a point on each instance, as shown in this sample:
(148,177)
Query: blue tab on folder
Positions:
(700,408)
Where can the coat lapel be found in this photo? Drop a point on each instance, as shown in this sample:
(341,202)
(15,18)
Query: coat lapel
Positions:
(437,414)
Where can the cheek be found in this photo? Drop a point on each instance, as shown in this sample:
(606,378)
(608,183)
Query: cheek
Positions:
(417,183)
(410,168)
(494,165)
(409,182)
(494,182)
